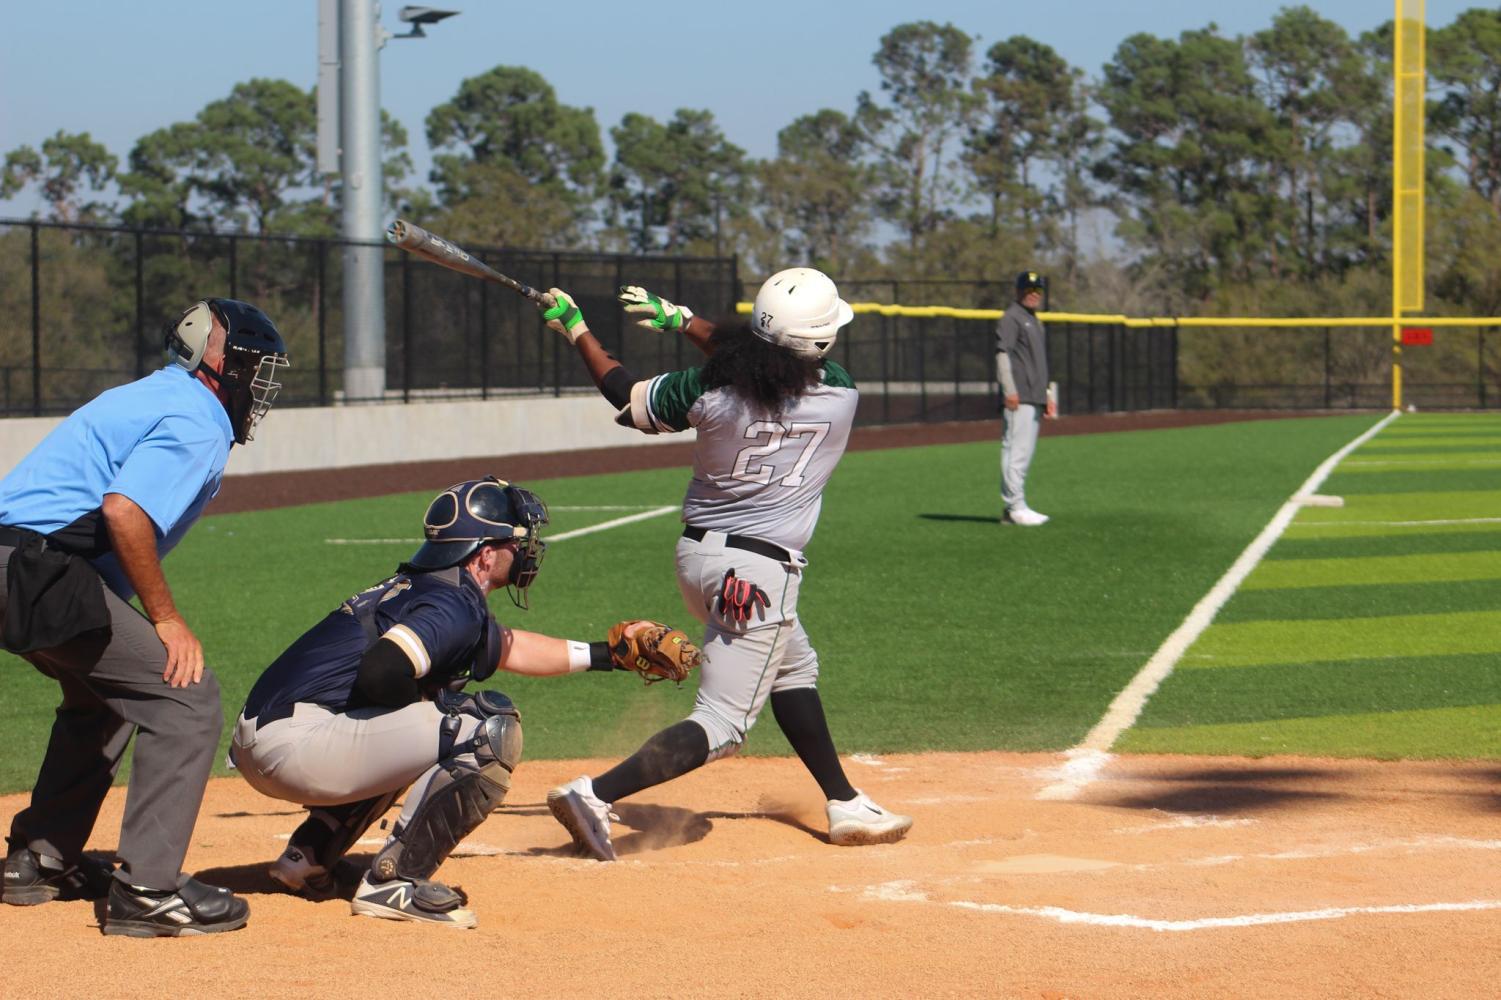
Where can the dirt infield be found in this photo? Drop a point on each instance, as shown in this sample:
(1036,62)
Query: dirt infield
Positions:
(1171,877)
(280,489)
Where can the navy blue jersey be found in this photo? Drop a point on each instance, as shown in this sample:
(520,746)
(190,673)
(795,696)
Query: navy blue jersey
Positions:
(439,619)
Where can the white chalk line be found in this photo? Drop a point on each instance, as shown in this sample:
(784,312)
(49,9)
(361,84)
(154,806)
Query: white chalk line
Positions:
(613,523)
(1084,762)
(1188,822)
(1409,845)
(1399,524)
(561,537)
(903,891)
(1063,916)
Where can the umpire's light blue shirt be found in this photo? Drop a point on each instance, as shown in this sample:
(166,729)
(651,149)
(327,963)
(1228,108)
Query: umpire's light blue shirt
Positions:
(162,441)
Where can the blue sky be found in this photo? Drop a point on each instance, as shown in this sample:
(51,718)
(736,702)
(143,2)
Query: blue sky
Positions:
(120,70)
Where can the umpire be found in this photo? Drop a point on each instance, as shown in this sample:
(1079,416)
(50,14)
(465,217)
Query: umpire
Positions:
(85,520)
(1021,359)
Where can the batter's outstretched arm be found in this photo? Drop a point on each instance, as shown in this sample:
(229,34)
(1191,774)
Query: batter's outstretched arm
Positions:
(610,376)
(699,330)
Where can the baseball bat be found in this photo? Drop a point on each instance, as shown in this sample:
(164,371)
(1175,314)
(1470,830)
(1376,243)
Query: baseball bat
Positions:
(431,247)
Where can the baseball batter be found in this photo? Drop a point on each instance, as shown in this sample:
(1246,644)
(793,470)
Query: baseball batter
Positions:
(773,416)
(370,701)
(1021,359)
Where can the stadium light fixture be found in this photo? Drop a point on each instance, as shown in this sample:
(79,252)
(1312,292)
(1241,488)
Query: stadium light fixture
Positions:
(418,16)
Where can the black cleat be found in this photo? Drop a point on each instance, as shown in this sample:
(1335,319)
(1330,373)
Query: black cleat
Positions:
(29,881)
(191,908)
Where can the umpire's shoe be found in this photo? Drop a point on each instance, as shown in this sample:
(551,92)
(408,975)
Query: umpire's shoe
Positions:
(31,878)
(417,900)
(192,908)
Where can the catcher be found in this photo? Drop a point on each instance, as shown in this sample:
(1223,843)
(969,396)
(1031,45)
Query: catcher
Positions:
(370,702)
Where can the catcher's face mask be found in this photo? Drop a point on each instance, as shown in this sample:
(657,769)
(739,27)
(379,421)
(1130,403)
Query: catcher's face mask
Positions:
(530,548)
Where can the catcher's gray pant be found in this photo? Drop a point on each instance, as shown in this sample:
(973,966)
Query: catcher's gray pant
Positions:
(743,664)
(319,757)
(112,687)
(1018,443)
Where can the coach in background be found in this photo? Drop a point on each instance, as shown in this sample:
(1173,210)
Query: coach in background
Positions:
(85,520)
(1021,360)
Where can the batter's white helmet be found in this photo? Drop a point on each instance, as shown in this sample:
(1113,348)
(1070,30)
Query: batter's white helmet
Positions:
(800,309)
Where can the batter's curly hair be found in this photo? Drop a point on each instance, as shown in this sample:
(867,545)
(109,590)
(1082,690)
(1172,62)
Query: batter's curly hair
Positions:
(762,374)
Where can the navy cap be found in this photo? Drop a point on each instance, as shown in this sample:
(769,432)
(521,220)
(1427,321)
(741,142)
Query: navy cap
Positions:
(1028,280)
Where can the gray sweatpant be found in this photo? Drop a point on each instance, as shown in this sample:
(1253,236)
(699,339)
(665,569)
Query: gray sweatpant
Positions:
(112,686)
(1018,443)
(320,757)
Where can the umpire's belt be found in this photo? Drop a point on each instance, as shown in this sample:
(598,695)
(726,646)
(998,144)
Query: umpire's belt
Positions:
(755,545)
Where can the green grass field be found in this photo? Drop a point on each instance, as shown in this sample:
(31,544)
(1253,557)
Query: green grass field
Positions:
(1373,629)
(938,629)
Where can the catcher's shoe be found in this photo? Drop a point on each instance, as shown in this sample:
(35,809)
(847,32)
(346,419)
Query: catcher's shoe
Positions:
(584,816)
(192,908)
(295,872)
(417,900)
(860,821)
(31,878)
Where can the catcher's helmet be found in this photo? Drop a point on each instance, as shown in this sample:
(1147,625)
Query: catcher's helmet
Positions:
(1029,280)
(253,350)
(799,309)
(476,512)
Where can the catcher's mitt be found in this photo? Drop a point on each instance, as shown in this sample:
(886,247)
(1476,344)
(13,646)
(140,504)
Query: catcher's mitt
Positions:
(657,652)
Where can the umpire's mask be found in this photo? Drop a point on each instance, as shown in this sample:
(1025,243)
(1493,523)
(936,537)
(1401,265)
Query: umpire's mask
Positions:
(478,512)
(253,352)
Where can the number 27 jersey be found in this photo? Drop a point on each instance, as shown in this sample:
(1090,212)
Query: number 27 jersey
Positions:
(754,473)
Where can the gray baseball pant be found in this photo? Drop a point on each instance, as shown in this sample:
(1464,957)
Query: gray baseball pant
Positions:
(112,687)
(319,757)
(1018,443)
(743,663)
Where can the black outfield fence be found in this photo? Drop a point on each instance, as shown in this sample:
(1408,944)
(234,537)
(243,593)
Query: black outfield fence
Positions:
(82,309)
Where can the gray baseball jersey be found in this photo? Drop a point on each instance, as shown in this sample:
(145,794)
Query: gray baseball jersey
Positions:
(1020,336)
(754,474)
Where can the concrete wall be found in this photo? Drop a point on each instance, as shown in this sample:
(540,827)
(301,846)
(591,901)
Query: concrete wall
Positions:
(338,437)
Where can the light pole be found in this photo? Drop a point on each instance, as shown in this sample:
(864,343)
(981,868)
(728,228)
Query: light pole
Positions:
(351,124)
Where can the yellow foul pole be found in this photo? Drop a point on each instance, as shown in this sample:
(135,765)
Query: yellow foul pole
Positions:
(1409,68)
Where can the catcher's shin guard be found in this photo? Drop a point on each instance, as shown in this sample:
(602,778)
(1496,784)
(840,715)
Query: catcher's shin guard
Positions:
(472,780)
(330,831)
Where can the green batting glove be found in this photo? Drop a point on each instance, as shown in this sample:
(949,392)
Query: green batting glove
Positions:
(564,315)
(656,312)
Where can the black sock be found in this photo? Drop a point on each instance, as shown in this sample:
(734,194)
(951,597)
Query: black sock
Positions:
(674,751)
(800,714)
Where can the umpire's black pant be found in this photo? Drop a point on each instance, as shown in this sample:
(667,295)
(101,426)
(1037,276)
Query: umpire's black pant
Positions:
(112,687)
